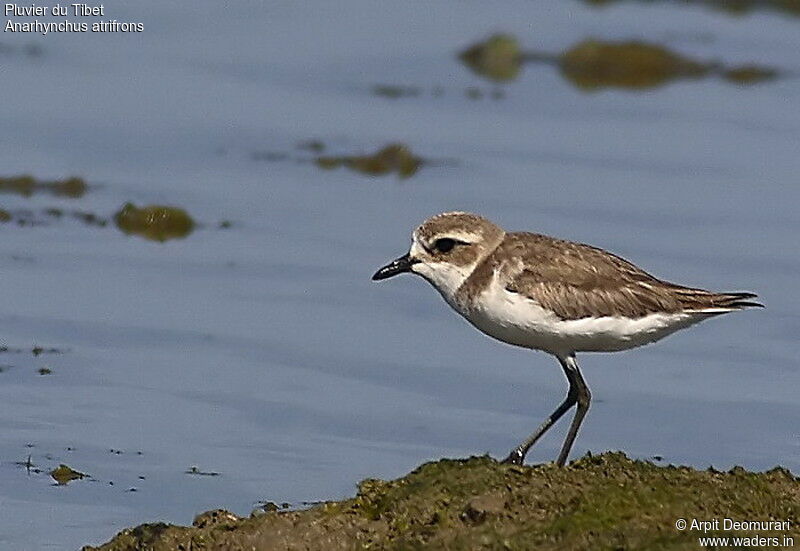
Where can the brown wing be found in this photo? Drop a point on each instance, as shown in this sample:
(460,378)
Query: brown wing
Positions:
(577,281)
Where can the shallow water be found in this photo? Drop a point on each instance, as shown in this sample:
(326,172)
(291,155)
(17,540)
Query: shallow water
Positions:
(264,353)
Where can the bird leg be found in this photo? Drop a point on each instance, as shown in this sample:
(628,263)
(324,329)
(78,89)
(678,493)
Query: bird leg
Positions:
(578,393)
(584,399)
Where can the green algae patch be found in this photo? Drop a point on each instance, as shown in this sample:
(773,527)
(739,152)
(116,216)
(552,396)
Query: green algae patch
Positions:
(195,471)
(598,502)
(30,49)
(64,474)
(749,74)
(154,222)
(497,58)
(29,218)
(732,7)
(313,145)
(392,91)
(394,158)
(36,350)
(595,64)
(634,65)
(26,186)
(395,91)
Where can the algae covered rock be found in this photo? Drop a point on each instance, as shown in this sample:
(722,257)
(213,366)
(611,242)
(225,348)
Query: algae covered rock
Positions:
(217,517)
(606,501)
(154,222)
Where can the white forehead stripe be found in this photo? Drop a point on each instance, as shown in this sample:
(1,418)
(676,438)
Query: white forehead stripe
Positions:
(458,235)
(467,237)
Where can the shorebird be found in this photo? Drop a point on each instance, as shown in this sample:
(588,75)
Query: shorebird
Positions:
(548,294)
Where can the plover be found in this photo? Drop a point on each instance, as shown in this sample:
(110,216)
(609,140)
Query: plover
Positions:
(548,294)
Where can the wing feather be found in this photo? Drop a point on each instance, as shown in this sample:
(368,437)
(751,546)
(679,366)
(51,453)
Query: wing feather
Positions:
(577,281)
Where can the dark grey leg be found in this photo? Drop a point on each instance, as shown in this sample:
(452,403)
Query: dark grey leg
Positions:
(517,456)
(584,399)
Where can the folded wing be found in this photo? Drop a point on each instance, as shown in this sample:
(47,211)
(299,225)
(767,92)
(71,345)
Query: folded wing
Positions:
(576,281)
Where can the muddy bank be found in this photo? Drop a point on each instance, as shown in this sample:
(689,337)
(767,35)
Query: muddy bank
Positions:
(598,502)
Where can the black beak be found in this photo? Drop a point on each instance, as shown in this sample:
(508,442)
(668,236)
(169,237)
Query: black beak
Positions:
(402,264)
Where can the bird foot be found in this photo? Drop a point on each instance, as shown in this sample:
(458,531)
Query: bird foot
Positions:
(516,457)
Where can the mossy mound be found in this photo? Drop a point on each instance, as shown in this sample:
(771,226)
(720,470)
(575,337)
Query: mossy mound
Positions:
(598,502)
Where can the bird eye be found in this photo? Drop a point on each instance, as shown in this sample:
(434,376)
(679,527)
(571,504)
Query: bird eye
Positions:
(444,245)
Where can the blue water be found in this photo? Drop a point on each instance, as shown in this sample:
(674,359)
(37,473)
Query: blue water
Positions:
(264,353)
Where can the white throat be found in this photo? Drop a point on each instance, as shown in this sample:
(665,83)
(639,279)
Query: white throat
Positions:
(444,276)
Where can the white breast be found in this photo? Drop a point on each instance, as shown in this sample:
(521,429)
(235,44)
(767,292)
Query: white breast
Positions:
(518,320)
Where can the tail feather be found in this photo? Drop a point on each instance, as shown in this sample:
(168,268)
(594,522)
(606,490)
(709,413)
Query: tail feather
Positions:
(738,300)
(697,299)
